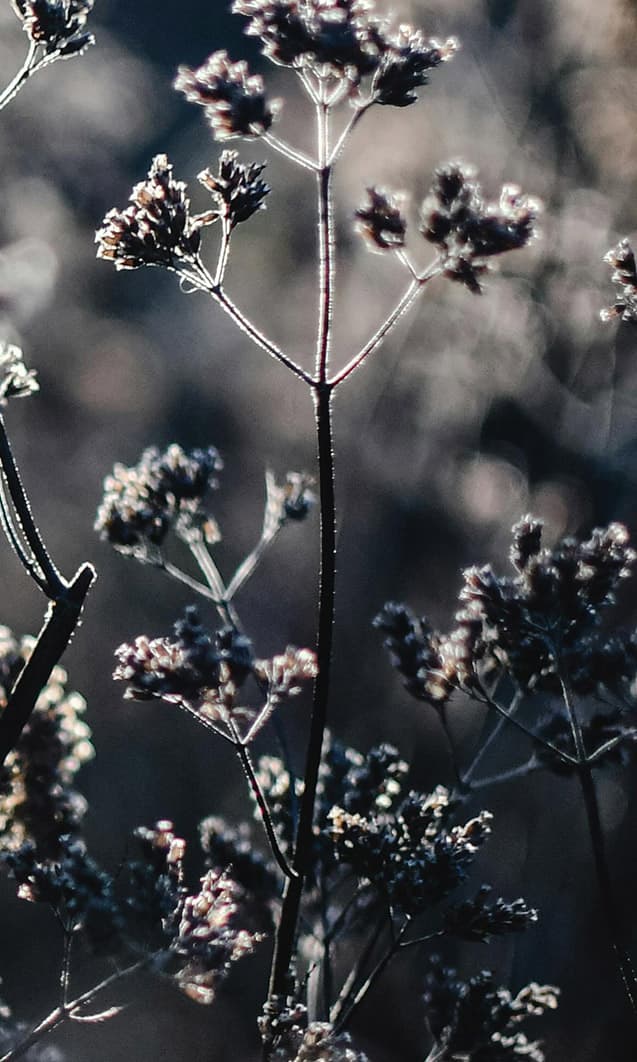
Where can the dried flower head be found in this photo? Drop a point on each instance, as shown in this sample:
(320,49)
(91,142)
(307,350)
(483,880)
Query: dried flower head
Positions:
(411,857)
(339,36)
(234,100)
(288,1037)
(624,276)
(469,231)
(237,188)
(56,25)
(157,228)
(407,56)
(415,651)
(478,1019)
(38,801)
(482,918)
(163,491)
(16,381)
(210,938)
(381,222)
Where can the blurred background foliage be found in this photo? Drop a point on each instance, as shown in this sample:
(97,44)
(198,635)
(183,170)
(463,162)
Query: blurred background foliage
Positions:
(478,410)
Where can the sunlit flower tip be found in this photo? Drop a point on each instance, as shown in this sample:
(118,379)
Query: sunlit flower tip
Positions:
(624,276)
(235,101)
(380,221)
(156,229)
(56,25)
(16,381)
(237,188)
(406,59)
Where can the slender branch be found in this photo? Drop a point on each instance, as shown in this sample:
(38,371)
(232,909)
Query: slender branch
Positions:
(404,304)
(176,573)
(63,1013)
(213,577)
(61,620)
(616,930)
(548,745)
(251,562)
(326,247)
(56,584)
(493,735)
(451,745)
(13,538)
(286,933)
(347,131)
(264,811)
(354,975)
(224,251)
(379,969)
(288,152)
(507,776)
(27,69)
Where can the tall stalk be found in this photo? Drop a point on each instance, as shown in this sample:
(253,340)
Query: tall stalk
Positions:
(322,394)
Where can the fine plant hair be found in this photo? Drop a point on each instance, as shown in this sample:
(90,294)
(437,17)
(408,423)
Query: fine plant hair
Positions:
(361,870)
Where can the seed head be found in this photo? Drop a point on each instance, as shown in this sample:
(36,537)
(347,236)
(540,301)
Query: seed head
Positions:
(236,188)
(234,100)
(381,222)
(624,276)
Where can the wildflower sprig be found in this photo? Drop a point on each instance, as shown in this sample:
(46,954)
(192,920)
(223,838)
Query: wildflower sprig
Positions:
(56,29)
(543,633)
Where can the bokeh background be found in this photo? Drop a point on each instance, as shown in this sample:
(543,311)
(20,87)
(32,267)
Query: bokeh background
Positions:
(479,409)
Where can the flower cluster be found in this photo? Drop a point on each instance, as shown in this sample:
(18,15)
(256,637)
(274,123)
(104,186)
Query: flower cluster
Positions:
(380,221)
(56,25)
(469,231)
(16,381)
(163,491)
(204,671)
(479,1020)
(236,188)
(157,229)
(154,884)
(346,39)
(413,857)
(288,1037)
(234,101)
(536,626)
(209,939)
(234,849)
(482,918)
(38,801)
(624,276)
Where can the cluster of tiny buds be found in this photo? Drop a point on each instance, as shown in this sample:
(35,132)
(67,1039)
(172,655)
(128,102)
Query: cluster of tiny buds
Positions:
(56,25)
(16,381)
(624,276)
(466,230)
(234,100)
(158,229)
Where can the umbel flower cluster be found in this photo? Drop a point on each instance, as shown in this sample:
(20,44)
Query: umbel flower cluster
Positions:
(534,627)
(624,276)
(57,26)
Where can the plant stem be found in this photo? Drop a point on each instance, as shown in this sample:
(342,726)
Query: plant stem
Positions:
(591,804)
(64,1013)
(286,933)
(380,968)
(24,73)
(62,618)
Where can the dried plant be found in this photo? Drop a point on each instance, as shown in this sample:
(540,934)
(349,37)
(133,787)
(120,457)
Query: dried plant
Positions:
(361,868)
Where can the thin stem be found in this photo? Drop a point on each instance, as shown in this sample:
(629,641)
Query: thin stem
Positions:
(561,755)
(224,251)
(28,68)
(493,735)
(288,152)
(66,967)
(615,928)
(379,969)
(343,1001)
(347,131)
(201,719)
(286,932)
(174,572)
(61,620)
(506,776)
(453,755)
(268,534)
(62,1013)
(206,283)
(55,583)
(213,577)
(13,538)
(406,301)
(423,940)
(326,246)
(264,811)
